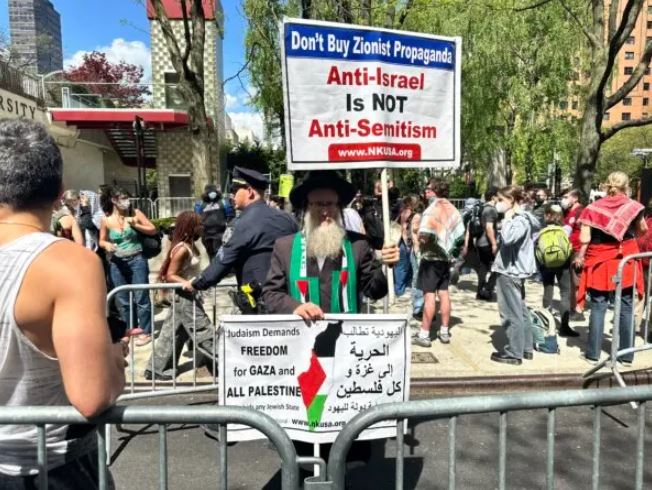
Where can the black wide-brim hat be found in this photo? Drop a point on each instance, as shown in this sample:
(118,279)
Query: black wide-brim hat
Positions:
(322,179)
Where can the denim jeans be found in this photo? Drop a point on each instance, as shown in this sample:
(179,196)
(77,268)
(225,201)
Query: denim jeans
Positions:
(514,316)
(132,270)
(417,294)
(599,304)
(403,270)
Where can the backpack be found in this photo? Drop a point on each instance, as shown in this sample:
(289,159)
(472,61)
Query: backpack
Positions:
(476,229)
(553,249)
(544,330)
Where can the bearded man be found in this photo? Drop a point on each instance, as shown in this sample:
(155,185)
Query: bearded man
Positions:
(324,268)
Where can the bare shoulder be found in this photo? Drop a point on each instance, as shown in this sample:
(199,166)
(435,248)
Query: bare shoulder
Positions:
(68,260)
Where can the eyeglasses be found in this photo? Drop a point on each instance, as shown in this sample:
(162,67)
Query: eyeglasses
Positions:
(322,204)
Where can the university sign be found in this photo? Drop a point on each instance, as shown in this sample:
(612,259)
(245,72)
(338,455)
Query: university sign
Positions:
(359,97)
(15,106)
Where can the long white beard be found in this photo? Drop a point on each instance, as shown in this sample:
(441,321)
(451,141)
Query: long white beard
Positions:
(323,240)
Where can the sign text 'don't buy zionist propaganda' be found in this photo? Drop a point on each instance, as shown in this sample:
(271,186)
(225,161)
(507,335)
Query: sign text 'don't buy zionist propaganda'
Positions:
(358,97)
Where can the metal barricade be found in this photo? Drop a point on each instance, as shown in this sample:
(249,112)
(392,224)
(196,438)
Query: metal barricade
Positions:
(170,207)
(156,387)
(452,408)
(146,205)
(161,416)
(613,360)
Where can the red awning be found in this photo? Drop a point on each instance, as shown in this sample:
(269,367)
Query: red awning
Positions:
(111,118)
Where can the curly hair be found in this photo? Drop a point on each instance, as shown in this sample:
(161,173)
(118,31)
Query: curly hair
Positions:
(186,227)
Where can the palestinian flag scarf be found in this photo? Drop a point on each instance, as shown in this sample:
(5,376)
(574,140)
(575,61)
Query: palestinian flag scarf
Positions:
(344,290)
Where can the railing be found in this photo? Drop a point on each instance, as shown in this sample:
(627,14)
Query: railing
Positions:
(453,408)
(157,387)
(172,206)
(19,82)
(613,360)
(161,416)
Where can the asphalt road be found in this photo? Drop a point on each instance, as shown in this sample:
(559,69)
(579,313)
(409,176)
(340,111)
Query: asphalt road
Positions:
(254,465)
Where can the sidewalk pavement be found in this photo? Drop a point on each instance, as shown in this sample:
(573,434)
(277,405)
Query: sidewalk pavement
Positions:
(476,333)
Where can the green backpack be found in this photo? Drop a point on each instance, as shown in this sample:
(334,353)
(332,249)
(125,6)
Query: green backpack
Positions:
(553,248)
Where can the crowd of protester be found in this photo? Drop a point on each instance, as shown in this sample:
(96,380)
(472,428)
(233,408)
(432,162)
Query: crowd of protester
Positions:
(507,236)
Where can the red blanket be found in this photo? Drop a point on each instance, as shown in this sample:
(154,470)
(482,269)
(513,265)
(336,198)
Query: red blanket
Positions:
(601,265)
(612,215)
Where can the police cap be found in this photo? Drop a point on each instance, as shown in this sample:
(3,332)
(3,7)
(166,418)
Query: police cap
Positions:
(246,176)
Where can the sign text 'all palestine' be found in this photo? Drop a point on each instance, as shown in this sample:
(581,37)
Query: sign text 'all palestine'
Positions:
(359,97)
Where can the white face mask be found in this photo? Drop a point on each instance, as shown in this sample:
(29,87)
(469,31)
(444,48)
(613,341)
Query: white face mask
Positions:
(212,195)
(123,204)
(565,203)
(502,207)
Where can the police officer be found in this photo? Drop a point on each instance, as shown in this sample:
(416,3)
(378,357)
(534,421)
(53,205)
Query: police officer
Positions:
(249,250)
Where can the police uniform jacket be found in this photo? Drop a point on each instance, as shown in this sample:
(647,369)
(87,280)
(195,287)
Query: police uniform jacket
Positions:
(249,249)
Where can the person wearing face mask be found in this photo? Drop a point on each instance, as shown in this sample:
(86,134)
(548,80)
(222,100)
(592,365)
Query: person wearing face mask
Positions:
(180,265)
(570,203)
(213,220)
(119,237)
(540,201)
(513,264)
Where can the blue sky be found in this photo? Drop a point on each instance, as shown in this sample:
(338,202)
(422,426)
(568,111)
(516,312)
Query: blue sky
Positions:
(121,28)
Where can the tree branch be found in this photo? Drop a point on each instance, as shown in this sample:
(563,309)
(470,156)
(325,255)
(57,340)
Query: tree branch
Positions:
(198,42)
(186,32)
(176,57)
(628,21)
(595,42)
(633,80)
(406,10)
(534,6)
(609,132)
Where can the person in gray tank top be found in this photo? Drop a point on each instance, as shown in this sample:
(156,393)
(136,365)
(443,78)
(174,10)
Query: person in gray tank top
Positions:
(50,355)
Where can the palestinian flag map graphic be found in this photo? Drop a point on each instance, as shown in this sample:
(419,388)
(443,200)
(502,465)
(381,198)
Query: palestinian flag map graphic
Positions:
(315,383)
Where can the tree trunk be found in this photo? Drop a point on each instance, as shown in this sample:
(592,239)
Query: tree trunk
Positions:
(201,159)
(587,156)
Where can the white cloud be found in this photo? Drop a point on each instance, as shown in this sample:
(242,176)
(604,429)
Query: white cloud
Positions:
(134,52)
(248,124)
(230,101)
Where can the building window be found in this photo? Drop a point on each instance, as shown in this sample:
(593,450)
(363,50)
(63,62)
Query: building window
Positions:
(646,101)
(646,86)
(626,116)
(605,116)
(649,9)
(627,101)
(645,115)
(648,39)
(180,185)
(629,55)
(574,105)
(629,70)
(563,105)
(647,70)
(631,40)
(649,24)
(173,99)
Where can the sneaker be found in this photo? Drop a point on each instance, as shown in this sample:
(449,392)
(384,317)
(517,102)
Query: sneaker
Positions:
(528,356)
(505,358)
(157,376)
(484,295)
(444,337)
(566,331)
(418,316)
(591,361)
(421,342)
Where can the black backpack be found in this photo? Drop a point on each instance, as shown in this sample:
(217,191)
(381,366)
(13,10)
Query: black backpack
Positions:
(475,222)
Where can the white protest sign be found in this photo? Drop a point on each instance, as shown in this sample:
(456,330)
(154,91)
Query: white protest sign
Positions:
(313,380)
(362,97)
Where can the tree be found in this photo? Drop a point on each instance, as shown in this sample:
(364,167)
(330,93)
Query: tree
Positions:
(605,32)
(118,82)
(187,57)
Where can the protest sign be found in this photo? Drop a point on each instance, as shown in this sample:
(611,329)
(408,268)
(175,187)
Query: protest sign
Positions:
(362,97)
(285,184)
(313,380)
